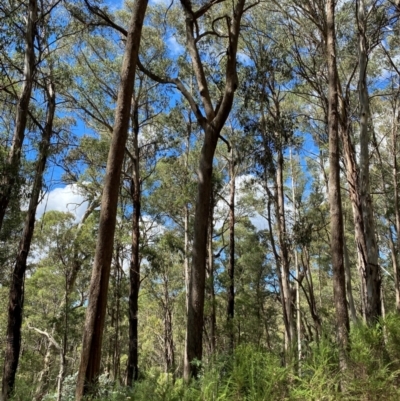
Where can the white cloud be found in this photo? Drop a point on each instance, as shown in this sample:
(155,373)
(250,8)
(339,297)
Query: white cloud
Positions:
(64,199)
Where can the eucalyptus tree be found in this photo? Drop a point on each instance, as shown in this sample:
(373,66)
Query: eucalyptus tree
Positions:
(95,315)
(339,286)
(211,122)
(270,118)
(12,163)
(41,67)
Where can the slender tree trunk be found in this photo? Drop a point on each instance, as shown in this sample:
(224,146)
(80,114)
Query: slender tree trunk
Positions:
(395,172)
(296,263)
(231,267)
(7,182)
(309,294)
(284,253)
(132,368)
(278,268)
(349,289)
(373,277)
(186,214)
(210,271)
(352,175)
(16,297)
(43,377)
(339,281)
(89,368)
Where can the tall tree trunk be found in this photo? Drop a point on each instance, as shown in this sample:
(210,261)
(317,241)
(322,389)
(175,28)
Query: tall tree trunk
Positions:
(194,344)
(212,125)
(339,281)
(89,368)
(352,175)
(297,268)
(373,277)
(278,267)
(7,182)
(16,297)
(395,172)
(186,215)
(284,252)
(231,267)
(134,277)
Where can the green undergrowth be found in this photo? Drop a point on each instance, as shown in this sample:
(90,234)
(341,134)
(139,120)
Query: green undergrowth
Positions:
(253,374)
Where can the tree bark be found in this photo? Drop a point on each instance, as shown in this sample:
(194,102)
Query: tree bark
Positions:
(16,295)
(231,267)
(212,125)
(395,172)
(284,253)
(373,277)
(349,289)
(14,156)
(89,368)
(134,271)
(339,281)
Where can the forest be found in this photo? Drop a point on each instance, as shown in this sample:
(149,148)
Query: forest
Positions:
(199,200)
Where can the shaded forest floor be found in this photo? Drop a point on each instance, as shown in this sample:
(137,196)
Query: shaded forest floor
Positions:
(255,374)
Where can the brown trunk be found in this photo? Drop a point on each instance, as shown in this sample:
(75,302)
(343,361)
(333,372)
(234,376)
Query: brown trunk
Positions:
(11,169)
(212,125)
(231,267)
(132,367)
(89,368)
(339,281)
(194,344)
(16,297)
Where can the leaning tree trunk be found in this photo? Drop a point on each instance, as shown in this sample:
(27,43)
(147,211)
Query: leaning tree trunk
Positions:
(373,277)
(9,178)
(339,281)
(134,271)
(89,368)
(16,297)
